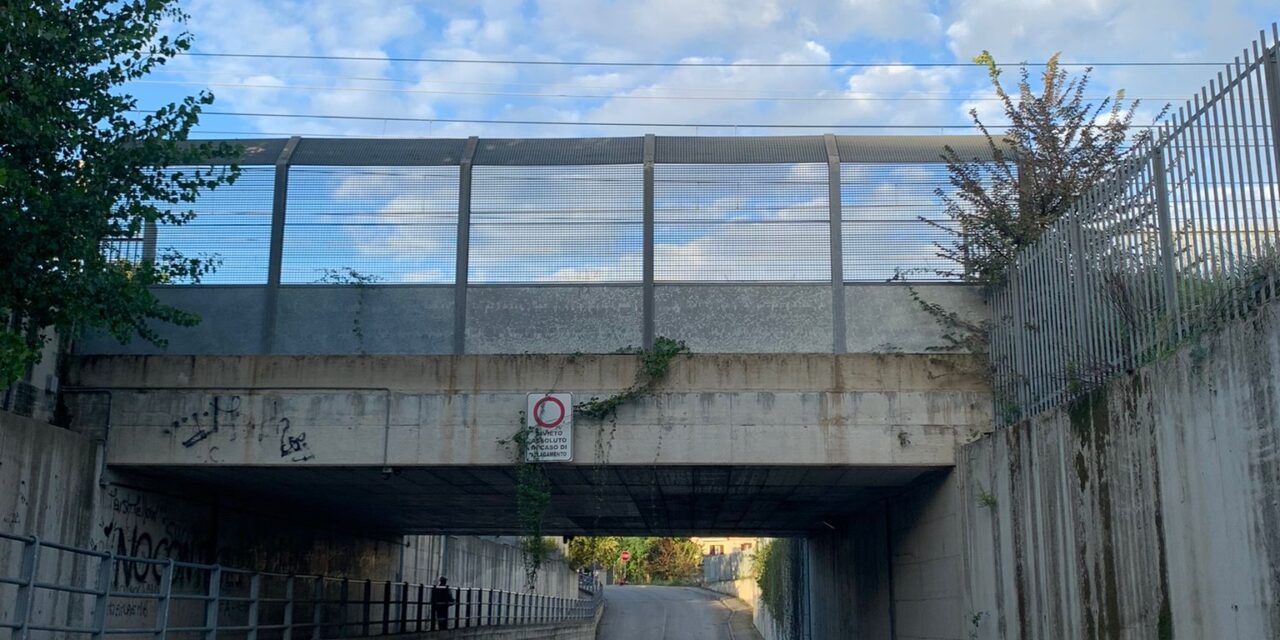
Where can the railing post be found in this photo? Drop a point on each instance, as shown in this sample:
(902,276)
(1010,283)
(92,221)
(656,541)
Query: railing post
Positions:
(404,607)
(27,590)
(106,566)
(422,592)
(1272,75)
(1168,270)
(386,607)
(287,633)
(366,606)
(490,614)
(462,258)
(648,311)
(214,605)
(457,607)
(165,601)
(275,257)
(317,608)
(835,215)
(255,586)
(344,594)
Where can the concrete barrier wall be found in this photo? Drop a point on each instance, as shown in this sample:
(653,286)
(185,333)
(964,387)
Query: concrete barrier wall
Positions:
(419,319)
(484,562)
(1148,509)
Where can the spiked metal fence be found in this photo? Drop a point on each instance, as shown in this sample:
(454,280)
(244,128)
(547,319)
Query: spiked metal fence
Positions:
(1180,239)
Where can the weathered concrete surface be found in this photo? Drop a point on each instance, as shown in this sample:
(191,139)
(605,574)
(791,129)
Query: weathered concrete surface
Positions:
(851,410)
(560,631)
(884,318)
(746,318)
(734,440)
(1148,510)
(483,563)
(419,319)
(672,613)
(552,319)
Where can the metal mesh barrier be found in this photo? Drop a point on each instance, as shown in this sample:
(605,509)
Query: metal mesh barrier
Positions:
(351,225)
(232,226)
(741,222)
(884,208)
(556,224)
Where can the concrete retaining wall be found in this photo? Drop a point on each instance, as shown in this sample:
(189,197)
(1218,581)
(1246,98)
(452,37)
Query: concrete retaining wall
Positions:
(419,319)
(483,562)
(1146,510)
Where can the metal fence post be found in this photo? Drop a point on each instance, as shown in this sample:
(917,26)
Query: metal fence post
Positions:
(1272,75)
(835,215)
(255,586)
(457,607)
(213,605)
(649,312)
(165,601)
(404,607)
(344,595)
(106,567)
(386,607)
(317,608)
(275,258)
(422,589)
(26,590)
(366,606)
(149,232)
(463,247)
(287,632)
(1168,271)
(490,615)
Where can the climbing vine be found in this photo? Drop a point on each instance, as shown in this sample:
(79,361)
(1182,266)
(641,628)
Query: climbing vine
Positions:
(533,488)
(347,275)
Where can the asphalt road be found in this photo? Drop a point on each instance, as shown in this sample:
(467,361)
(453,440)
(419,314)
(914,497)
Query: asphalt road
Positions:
(672,613)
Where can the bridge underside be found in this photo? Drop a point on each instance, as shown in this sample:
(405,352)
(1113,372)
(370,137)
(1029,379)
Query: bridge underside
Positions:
(610,500)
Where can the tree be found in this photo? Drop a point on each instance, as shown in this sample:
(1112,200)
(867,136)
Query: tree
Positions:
(79,167)
(586,552)
(1057,146)
(671,559)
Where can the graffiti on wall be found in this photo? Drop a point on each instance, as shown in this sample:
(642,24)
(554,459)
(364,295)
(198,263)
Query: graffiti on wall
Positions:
(227,418)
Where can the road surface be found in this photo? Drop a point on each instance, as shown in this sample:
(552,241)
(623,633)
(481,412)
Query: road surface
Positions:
(672,613)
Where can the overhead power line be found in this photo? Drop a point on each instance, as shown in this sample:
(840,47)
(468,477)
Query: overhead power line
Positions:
(521,94)
(761,65)
(655,125)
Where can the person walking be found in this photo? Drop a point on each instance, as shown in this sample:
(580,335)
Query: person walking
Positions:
(441,598)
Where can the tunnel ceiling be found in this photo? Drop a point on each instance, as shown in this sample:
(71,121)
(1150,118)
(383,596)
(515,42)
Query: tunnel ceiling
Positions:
(664,500)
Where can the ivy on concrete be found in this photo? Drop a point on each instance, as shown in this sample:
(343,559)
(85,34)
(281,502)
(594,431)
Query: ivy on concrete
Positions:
(533,488)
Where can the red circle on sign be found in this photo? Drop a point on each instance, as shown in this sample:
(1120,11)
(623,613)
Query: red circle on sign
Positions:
(537,412)
(626,555)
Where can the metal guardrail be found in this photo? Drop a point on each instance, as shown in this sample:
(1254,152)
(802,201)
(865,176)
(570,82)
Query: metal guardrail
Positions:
(1182,238)
(257,605)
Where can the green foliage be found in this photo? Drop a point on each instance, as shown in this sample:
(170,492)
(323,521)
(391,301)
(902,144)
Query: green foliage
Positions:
(673,559)
(78,169)
(533,495)
(771,561)
(1057,146)
(586,552)
(986,499)
(349,276)
(653,368)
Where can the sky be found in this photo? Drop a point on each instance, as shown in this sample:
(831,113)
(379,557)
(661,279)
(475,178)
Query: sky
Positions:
(767,225)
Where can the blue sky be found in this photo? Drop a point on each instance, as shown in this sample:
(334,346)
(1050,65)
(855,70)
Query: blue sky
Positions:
(373,220)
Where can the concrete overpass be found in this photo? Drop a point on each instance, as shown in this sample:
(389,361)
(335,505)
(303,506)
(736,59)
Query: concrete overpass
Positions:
(381,391)
(771,444)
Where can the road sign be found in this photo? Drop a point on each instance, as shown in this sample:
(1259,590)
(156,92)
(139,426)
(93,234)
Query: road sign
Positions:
(550,427)
(626,555)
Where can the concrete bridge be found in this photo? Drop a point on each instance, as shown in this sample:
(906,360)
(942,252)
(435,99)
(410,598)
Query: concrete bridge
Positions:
(813,386)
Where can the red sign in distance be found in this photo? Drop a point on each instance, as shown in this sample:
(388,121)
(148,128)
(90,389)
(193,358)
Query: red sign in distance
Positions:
(626,555)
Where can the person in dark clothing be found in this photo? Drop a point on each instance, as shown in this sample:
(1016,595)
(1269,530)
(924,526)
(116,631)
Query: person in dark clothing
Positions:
(441,598)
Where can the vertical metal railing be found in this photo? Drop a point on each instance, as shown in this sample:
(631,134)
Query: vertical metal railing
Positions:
(1181,238)
(254,605)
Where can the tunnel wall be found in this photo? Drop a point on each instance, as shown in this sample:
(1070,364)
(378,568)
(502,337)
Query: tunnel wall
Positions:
(1147,509)
(49,487)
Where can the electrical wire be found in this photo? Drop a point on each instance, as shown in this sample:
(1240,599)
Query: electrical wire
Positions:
(767,65)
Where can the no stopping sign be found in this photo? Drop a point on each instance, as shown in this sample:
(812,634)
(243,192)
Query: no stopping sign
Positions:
(550,427)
